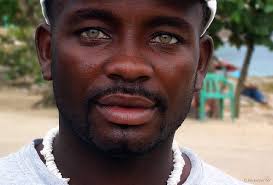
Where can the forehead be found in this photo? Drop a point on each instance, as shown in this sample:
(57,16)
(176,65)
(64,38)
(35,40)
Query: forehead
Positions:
(128,10)
(170,3)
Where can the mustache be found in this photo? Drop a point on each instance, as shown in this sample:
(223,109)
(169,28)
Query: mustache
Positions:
(137,90)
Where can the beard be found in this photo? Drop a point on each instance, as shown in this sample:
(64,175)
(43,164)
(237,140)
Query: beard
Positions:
(123,141)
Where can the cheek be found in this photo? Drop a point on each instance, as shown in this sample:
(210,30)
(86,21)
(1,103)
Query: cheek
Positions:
(177,75)
(75,69)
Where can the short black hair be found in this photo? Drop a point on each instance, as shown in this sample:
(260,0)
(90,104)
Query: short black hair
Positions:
(48,9)
(206,11)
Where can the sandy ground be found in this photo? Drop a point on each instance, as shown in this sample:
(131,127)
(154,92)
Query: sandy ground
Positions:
(243,149)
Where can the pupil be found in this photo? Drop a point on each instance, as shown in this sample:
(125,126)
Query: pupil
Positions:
(165,38)
(93,33)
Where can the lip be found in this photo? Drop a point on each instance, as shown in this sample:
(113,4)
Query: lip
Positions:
(123,109)
(126,100)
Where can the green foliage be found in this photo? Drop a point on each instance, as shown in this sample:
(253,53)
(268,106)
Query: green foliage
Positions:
(18,55)
(249,21)
(17,49)
(7,9)
(20,12)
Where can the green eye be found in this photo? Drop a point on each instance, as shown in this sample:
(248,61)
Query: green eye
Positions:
(93,34)
(165,39)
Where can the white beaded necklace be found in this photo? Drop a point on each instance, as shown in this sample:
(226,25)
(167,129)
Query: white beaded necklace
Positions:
(174,177)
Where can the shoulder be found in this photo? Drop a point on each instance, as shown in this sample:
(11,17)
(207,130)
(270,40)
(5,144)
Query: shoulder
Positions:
(10,170)
(26,168)
(214,176)
(16,168)
(205,174)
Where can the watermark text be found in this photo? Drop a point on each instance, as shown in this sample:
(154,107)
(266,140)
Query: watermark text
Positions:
(257,180)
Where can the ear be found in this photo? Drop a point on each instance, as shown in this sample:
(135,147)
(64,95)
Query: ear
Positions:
(43,47)
(206,52)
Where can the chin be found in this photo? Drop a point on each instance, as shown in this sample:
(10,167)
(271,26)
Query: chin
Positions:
(125,141)
(125,150)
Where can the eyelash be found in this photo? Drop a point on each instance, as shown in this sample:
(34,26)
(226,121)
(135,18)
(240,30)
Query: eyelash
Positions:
(154,36)
(80,31)
(178,37)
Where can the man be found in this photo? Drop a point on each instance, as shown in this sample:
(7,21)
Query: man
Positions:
(124,73)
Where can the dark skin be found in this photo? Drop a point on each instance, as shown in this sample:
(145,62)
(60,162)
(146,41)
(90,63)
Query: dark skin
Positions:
(150,45)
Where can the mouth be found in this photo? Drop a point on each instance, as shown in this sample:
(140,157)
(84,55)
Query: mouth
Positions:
(124,109)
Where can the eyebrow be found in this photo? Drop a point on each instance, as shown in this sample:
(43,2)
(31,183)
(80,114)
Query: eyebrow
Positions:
(176,22)
(87,14)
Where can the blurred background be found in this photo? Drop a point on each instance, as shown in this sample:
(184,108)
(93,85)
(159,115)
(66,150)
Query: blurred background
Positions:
(230,124)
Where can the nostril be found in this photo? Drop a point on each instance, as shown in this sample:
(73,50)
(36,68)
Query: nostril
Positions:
(115,77)
(142,79)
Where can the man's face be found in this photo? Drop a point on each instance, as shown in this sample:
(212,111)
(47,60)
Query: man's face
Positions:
(124,72)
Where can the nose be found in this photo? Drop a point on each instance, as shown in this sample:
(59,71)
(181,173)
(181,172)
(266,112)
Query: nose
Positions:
(128,69)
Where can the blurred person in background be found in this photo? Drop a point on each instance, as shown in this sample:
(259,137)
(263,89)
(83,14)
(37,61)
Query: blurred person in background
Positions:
(252,91)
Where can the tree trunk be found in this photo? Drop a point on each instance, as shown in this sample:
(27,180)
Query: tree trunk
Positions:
(243,76)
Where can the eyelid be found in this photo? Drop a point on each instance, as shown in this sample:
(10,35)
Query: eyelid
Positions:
(104,31)
(179,38)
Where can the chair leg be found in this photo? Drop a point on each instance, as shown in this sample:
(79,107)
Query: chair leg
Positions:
(202,111)
(222,108)
(232,108)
